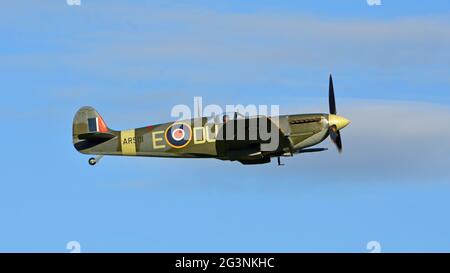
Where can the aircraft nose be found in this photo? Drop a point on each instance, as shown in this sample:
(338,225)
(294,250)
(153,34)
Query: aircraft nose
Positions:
(338,121)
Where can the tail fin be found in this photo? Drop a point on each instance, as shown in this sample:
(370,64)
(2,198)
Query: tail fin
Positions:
(89,129)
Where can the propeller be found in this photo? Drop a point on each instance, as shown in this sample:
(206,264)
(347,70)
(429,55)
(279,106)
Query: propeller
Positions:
(336,137)
(335,122)
(331,99)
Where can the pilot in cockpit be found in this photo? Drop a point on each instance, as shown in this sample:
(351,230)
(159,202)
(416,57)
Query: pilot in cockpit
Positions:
(225,118)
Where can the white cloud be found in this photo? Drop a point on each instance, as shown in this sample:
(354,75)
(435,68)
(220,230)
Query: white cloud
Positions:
(135,41)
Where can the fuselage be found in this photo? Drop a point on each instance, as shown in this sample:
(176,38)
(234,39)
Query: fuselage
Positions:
(203,138)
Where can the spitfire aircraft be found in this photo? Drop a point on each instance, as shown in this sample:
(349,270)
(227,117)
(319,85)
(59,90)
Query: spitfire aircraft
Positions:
(207,137)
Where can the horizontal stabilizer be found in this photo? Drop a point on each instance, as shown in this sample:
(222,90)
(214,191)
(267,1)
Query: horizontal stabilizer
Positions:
(96,136)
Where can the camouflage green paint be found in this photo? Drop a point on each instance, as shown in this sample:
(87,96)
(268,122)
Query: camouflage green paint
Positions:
(295,132)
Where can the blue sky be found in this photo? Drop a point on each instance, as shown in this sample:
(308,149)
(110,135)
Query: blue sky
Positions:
(134,61)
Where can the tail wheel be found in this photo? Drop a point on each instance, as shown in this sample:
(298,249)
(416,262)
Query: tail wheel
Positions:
(92,161)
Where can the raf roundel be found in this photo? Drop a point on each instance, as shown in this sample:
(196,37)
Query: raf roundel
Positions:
(178,135)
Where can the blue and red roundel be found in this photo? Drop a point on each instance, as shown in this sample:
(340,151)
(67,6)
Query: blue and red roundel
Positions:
(178,135)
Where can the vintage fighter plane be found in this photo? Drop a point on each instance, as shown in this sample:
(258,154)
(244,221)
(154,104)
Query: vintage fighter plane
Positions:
(207,137)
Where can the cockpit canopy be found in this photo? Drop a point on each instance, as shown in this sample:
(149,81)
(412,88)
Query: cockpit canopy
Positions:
(225,117)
